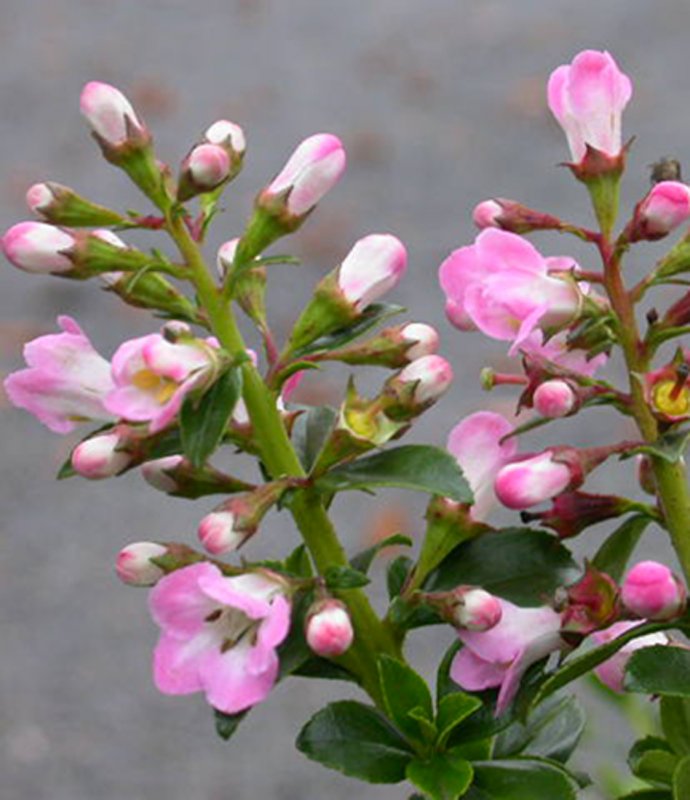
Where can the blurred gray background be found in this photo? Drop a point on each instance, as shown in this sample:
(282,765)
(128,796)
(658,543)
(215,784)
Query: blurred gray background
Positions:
(440,104)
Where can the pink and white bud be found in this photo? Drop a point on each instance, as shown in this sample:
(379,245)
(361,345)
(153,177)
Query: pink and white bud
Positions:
(587,98)
(38,247)
(110,113)
(531,481)
(374,265)
(311,171)
(100,457)
(226,256)
(423,340)
(477,610)
(208,165)
(665,208)
(432,374)
(134,565)
(218,532)
(39,197)
(486,214)
(554,398)
(651,591)
(329,630)
(109,237)
(612,671)
(157,473)
(224,132)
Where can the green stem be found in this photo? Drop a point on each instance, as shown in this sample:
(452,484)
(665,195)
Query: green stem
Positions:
(280,459)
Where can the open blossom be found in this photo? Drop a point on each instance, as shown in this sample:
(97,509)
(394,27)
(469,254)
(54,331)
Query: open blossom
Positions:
(219,635)
(374,265)
(612,671)
(587,98)
(556,351)
(66,381)
(152,376)
(476,442)
(502,285)
(500,656)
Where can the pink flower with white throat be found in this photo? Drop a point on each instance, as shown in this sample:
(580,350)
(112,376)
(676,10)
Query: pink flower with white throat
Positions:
(219,635)
(328,629)
(665,208)
(66,382)
(612,671)
(500,656)
(38,247)
(504,287)
(587,97)
(375,265)
(110,114)
(651,591)
(152,376)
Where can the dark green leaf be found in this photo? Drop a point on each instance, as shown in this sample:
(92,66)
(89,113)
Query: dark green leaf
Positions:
(226,724)
(203,420)
(406,616)
(520,779)
(453,710)
(362,561)
(310,431)
(357,740)
(659,670)
(345,578)
(681,780)
(648,794)
(675,722)
(552,731)
(316,667)
(655,766)
(404,690)
(670,446)
(519,564)
(442,777)
(298,563)
(396,575)
(414,466)
(613,555)
(444,683)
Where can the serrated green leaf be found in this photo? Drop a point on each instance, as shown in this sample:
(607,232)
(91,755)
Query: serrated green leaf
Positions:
(227,724)
(357,740)
(442,777)
(344,578)
(520,779)
(675,722)
(310,432)
(453,710)
(203,420)
(681,780)
(670,446)
(404,690)
(520,564)
(659,670)
(362,561)
(613,555)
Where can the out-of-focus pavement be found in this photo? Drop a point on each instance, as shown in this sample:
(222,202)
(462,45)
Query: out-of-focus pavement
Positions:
(440,104)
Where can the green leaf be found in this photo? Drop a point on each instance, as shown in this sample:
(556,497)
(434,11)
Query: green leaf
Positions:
(453,710)
(655,766)
(418,467)
(203,420)
(552,731)
(362,561)
(519,564)
(648,794)
(226,724)
(298,563)
(310,432)
(404,690)
(316,667)
(613,555)
(659,670)
(345,578)
(396,575)
(442,777)
(357,740)
(675,722)
(670,446)
(681,780)
(520,779)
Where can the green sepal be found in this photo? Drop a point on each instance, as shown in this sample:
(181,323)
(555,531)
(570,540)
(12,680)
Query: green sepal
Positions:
(227,724)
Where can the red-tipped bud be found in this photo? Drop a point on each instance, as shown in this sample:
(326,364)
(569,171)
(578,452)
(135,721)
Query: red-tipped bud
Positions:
(555,398)
(328,628)
(486,214)
(532,480)
(427,378)
(205,168)
(513,217)
(374,265)
(651,591)
(134,565)
(100,457)
(572,512)
(665,208)
(38,247)
(110,114)
(476,609)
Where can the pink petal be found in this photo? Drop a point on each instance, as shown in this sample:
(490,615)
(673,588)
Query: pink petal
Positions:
(176,662)
(177,602)
(474,674)
(229,686)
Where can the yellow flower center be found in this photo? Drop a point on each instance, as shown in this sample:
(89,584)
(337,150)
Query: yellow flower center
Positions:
(161,388)
(669,399)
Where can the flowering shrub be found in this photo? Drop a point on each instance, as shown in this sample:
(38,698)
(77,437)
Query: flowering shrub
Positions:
(529,619)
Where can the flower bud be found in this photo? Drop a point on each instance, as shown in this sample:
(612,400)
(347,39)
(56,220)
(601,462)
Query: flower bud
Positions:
(177,476)
(227,133)
(63,206)
(612,671)
(591,604)
(572,511)
(374,265)
(416,387)
(205,168)
(38,247)
(513,217)
(486,214)
(555,398)
(159,473)
(423,340)
(100,457)
(532,480)
(110,114)
(226,256)
(134,565)
(328,629)
(645,474)
(476,609)
(651,591)
(665,208)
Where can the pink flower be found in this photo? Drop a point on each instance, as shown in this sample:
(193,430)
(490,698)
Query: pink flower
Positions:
(152,376)
(476,444)
(665,208)
(486,214)
(101,456)
(432,374)
(219,635)
(374,265)
(532,480)
(134,565)
(554,398)
(587,98)
(38,247)
(109,113)
(612,671)
(502,285)
(329,630)
(650,590)
(208,165)
(66,382)
(556,351)
(310,172)
(501,655)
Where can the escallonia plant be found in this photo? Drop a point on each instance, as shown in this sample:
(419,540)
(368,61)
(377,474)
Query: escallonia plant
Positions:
(529,619)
